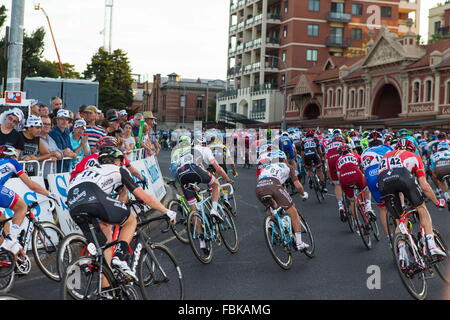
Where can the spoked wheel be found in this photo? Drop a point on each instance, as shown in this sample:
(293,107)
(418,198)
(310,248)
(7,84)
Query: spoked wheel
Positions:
(391,226)
(363,226)
(7,282)
(317,188)
(228,232)
(200,230)
(442,265)
(45,239)
(307,237)
(375,229)
(71,248)
(180,227)
(350,220)
(159,274)
(413,280)
(278,249)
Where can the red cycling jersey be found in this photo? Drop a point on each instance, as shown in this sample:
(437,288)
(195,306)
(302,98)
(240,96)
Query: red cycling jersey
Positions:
(332,155)
(90,161)
(403,159)
(348,164)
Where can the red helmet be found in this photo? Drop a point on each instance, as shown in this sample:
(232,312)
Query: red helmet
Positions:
(310,133)
(338,139)
(387,138)
(353,134)
(375,137)
(106,141)
(405,144)
(344,149)
(442,136)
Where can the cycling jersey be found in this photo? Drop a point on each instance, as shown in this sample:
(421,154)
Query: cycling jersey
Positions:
(357,143)
(279,171)
(89,162)
(309,146)
(332,155)
(440,163)
(287,146)
(349,173)
(402,159)
(265,159)
(220,152)
(198,155)
(8,168)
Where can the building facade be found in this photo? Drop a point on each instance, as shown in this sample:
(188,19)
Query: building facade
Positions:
(398,82)
(272,42)
(179,102)
(439,20)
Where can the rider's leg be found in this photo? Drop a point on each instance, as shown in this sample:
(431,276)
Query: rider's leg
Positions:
(20,210)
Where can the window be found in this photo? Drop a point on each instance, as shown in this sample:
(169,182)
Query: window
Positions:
(351,100)
(283,56)
(199,102)
(428,90)
(416,92)
(314,5)
(286,6)
(338,97)
(311,55)
(361,98)
(329,98)
(337,7)
(386,12)
(437,26)
(183,101)
(313,30)
(285,31)
(233,107)
(356,34)
(357,9)
(283,78)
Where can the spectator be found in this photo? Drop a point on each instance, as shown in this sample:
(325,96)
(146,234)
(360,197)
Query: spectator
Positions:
(34,148)
(55,104)
(146,143)
(123,117)
(52,147)
(35,109)
(136,124)
(61,135)
(100,118)
(93,131)
(43,110)
(113,128)
(8,134)
(150,120)
(128,140)
(78,140)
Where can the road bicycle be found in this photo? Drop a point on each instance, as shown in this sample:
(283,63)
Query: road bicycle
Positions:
(201,226)
(413,260)
(7,265)
(158,273)
(365,224)
(314,183)
(346,215)
(301,170)
(280,237)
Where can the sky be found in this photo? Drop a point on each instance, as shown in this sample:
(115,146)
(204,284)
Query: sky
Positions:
(188,37)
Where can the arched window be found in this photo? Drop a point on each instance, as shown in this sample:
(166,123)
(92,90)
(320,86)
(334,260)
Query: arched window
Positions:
(330,98)
(428,90)
(416,92)
(351,99)
(447,92)
(361,98)
(338,97)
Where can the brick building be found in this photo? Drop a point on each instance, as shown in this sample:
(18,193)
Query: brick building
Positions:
(176,101)
(272,42)
(397,83)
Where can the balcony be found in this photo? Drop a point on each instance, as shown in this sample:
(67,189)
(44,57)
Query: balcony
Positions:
(407,6)
(241,4)
(233,28)
(257,115)
(271,66)
(272,42)
(241,25)
(335,41)
(239,48)
(273,16)
(248,68)
(258,18)
(256,66)
(339,17)
(444,31)
(248,45)
(231,51)
(257,43)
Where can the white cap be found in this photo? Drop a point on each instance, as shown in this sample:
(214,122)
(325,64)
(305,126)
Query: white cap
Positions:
(79,124)
(62,113)
(33,121)
(16,112)
(123,112)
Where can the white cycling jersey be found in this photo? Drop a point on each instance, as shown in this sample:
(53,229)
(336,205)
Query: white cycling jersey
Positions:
(198,155)
(279,171)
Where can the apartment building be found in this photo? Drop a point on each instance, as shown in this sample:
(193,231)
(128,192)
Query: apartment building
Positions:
(271,42)
(439,20)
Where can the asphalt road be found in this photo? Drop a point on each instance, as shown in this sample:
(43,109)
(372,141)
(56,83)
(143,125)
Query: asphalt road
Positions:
(340,270)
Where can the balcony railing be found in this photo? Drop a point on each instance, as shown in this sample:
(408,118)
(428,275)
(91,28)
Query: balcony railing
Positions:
(270,40)
(339,17)
(336,41)
(261,87)
(273,16)
(258,18)
(233,28)
(257,115)
(241,25)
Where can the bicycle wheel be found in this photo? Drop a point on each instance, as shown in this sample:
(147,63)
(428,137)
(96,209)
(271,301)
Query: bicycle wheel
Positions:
(350,219)
(82,281)
(316,188)
(227,230)
(179,228)
(442,266)
(195,222)
(375,229)
(7,282)
(231,206)
(319,188)
(45,239)
(307,237)
(159,274)
(9,297)
(278,249)
(412,279)
(71,247)
(363,226)
(7,263)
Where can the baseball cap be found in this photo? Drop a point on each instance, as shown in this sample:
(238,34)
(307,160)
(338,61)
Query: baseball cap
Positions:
(79,123)
(148,115)
(33,121)
(123,112)
(82,108)
(62,113)
(113,118)
(91,109)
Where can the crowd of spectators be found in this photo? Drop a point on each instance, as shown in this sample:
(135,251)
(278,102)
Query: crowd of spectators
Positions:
(54,133)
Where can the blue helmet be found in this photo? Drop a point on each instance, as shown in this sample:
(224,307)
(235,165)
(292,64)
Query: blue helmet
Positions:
(443,146)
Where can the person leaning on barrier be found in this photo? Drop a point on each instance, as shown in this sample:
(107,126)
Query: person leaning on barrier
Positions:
(34,147)
(9,120)
(52,147)
(150,120)
(78,140)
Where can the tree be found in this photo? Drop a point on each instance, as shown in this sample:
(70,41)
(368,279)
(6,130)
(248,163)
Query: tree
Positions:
(3,15)
(113,72)
(51,69)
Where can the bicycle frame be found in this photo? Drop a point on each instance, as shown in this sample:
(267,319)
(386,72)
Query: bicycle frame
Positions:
(276,214)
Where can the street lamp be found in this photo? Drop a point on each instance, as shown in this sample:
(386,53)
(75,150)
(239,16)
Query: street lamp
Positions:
(61,69)
(283,120)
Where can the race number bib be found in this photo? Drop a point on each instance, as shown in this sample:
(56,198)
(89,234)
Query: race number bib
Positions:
(186,159)
(391,163)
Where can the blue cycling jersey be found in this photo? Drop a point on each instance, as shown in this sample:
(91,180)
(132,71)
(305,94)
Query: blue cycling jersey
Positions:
(287,146)
(439,156)
(9,167)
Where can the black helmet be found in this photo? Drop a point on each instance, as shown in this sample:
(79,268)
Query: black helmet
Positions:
(109,155)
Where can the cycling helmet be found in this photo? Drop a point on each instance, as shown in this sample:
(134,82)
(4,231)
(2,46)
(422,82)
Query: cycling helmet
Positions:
(106,141)
(184,140)
(285,134)
(374,138)
(442,136)
(7,151)
(387,138)
(280,154)
(353,134)
(310,133)
(365,134)
(405,144)
(109,155)
(338,139)
(337,132)
(443,146)
(344,149)
(403,132)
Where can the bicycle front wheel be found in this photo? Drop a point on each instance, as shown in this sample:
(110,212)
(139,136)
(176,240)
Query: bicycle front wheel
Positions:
(71,247)
(159,274)
(413,280)
(278,249)
(45,240)
(179,229)
(307,237)
(442,266)
(199,231)
(228,232)
(7,282)
(363,226)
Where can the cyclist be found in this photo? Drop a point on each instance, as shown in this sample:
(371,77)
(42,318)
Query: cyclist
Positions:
(406,134)
(89,193)
(10,167)
(271,181)
(397,173)
(349,173)
(288,147)
(371,158)
(364,141)
(356,140)
(332,155)
(311,153)
(221,153)
(440,167)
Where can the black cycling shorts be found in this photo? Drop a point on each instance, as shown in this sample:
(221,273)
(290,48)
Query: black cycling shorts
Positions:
(191,173)
(399,180)
(312,160)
